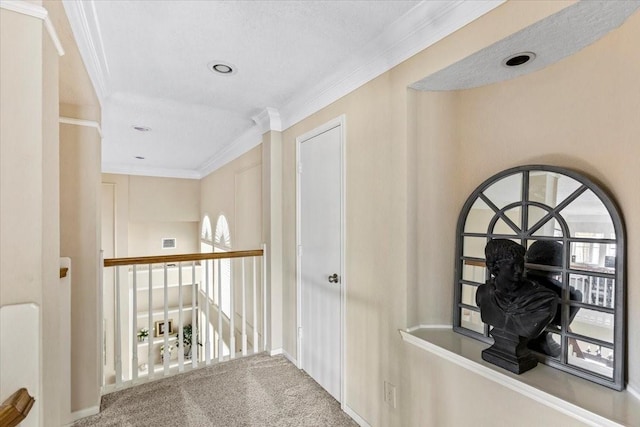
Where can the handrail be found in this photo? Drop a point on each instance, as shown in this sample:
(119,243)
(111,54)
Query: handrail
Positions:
(162,259)
(15,408)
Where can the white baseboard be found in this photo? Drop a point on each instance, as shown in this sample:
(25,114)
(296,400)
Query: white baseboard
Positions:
(290,358)
(275,352)
(83,413)
(357,418)
(633,391)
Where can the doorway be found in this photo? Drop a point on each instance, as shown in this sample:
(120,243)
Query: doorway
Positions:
(320,239)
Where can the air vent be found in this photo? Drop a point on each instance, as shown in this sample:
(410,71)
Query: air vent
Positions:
(169,243)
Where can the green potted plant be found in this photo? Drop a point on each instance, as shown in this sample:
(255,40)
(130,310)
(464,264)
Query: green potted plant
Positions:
(187,340)
(143,334)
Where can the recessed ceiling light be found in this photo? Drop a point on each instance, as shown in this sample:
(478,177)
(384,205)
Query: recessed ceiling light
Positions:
(519,59)
(142,128)
(139,157)
(221,67)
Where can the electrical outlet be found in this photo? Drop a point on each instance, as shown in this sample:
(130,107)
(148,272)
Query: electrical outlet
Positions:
(390,394)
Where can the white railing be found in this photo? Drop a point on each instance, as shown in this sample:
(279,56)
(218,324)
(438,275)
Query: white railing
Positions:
(160,317)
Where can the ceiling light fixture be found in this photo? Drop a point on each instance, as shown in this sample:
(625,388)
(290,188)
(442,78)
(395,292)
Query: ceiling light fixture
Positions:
(519,59)
(142,128)
(221,67)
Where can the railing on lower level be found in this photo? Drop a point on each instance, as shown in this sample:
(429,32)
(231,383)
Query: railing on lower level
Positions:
(168,314)
(16,408)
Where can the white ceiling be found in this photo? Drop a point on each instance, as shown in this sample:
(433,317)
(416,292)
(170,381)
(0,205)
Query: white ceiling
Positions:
(148,63)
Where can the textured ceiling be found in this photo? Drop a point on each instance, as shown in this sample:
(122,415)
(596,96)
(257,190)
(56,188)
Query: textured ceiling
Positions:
(551,39)
(148,63)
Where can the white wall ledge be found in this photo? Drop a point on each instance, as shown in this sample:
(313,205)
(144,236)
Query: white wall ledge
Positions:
(595,405)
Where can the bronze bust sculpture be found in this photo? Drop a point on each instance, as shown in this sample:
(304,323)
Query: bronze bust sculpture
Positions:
(518,309)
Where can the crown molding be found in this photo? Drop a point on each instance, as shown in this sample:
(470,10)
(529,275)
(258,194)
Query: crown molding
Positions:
(249,139)
(419,28)
(89,40)
(79,122)
(124,169)
(30,9)
(268,120)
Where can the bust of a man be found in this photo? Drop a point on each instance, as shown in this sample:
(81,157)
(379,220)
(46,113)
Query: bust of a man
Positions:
(517,308)
(510,302)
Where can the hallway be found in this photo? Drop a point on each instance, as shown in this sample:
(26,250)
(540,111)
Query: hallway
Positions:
(257,390)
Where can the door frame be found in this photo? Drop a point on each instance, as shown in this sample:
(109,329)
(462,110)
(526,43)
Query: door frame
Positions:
(339,121)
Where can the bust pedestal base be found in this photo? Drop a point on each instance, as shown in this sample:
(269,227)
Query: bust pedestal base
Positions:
(510,352)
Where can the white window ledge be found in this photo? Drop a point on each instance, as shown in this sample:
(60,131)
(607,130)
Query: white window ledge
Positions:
(588,402)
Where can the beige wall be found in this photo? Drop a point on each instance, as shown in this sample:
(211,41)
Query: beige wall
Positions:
(55,350)
(148,209)
(29,221)
(163,199)
(80,154)
(581,113)
(235,190)
(412,159)
(237,184)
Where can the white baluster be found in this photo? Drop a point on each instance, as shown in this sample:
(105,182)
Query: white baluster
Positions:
(180,342)
(166,352)
(232,312)
(244,311)
(102,320)
(134,329)
(264,297)
(220,340)
(150,356)
(118,332)
(207,343)
(255,309)
(194,330)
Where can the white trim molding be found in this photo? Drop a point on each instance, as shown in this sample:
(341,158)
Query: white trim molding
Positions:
(421,27)
(537,384)
(83,413)
(249,139)
(88,37)
(354,416)
(415,328)
(123,169)
(80,122)
(36,11)
(268,120)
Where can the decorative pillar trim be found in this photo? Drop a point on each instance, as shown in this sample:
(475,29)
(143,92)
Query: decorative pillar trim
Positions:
(79,122)
(36,11)
(268,120)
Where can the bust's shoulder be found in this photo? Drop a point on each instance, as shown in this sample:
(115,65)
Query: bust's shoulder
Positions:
(535,287)
(485,291)
(534,292)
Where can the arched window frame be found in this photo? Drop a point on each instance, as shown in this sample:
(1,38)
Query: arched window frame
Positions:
(206,234)
(524,234)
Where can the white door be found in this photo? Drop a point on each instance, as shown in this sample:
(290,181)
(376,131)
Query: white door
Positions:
(320,198)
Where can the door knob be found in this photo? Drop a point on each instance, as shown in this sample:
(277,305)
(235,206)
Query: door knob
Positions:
(334,278)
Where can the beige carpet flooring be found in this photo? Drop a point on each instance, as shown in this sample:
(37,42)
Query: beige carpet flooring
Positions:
(257,390)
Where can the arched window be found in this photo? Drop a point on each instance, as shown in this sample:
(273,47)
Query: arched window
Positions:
(574,237)
(222,237)
(206,237)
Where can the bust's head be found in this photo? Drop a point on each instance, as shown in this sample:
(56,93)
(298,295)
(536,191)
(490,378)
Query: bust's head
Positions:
(545,252)
(502,255)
